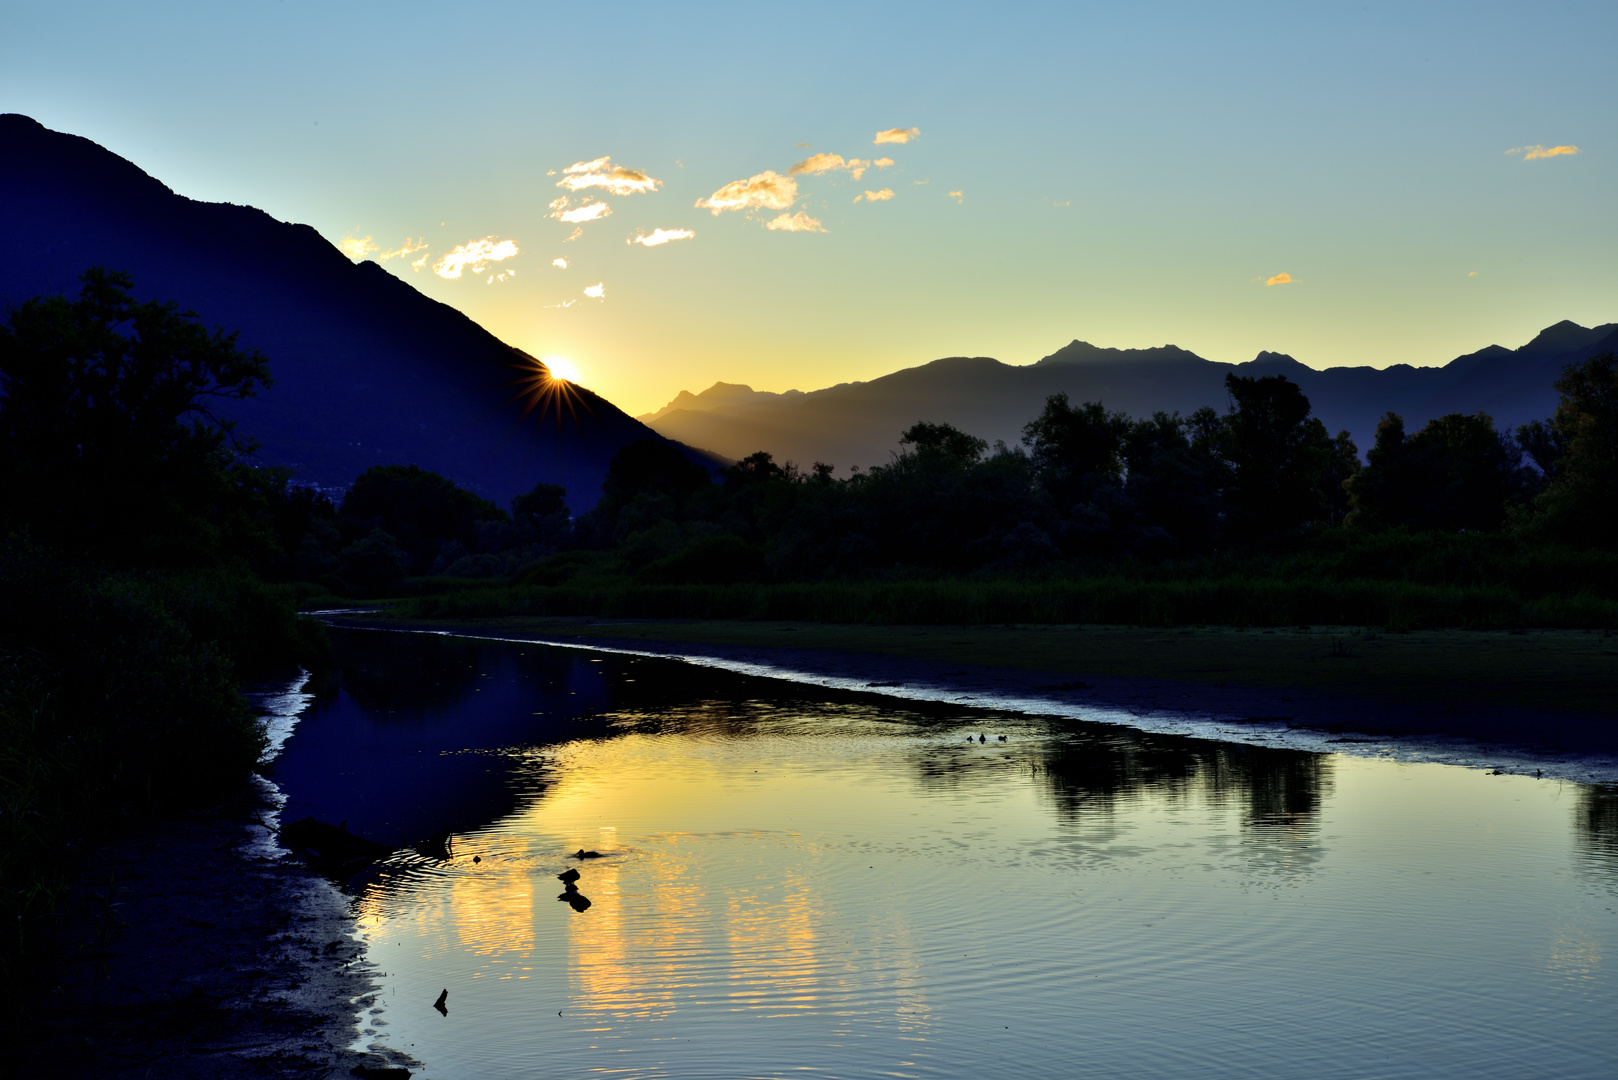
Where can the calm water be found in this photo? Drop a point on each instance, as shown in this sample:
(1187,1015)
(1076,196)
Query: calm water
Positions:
(799,883)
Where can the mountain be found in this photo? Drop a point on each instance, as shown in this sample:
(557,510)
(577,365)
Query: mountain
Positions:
(367,370)
(859,423)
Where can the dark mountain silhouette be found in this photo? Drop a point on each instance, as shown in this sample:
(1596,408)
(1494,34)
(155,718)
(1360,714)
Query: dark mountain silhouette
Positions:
(367,370)
(859,423)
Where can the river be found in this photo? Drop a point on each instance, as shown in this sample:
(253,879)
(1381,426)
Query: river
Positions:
(796,881)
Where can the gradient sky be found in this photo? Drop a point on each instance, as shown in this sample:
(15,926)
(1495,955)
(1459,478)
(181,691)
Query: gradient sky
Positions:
(1129,175)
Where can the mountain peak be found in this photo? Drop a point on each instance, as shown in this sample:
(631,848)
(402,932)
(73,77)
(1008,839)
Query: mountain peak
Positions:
(1566,336)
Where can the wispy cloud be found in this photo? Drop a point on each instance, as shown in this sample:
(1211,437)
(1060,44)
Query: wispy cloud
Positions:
(589,212)
(501,276)
(602,173)
(598,291)
(882,162)
(419,263)
(560,264)
(956,195)
(661,236)
(1471,273)
(357,248)
(799,222)
(1529,153)
(404,250)
(896,135)
(824,163)
(767,191)
(578,231)
(802,145)
(474,255)
(879,196)
(1280,279)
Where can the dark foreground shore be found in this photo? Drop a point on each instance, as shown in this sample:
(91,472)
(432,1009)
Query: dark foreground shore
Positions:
(193,948)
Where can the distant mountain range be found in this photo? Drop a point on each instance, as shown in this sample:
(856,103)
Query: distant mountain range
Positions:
(859,423)
(367,370)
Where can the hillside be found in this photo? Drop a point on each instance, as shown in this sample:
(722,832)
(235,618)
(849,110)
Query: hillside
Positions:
(367,370)
(859,423)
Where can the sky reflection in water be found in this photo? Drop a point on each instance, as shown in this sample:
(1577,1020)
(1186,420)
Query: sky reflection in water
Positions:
(835,885)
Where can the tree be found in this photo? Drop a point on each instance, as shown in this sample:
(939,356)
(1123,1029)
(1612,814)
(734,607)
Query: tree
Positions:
(1278,454)
(1456,473)
(108,436)
(419,510)
(1581,502)
(1075,452)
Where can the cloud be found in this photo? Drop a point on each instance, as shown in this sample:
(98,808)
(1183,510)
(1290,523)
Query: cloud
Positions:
(591,212)
(882,162)
(409,247)
(560,264)
(602,173)
(956,195)
(598,290)
(501,276)
(421,262)
(578,231)
(766,191)
(476,254)
(799,222)
(1529,153)
(1280,279)
(1471,273)
(802,145)
(824,163)
(357,247)
(896,135)
(662,236)
(879,196)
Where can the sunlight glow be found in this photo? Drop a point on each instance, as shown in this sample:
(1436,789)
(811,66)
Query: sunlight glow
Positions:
(546,387)
(562,368)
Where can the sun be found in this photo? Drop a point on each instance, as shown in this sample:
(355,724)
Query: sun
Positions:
(562,368)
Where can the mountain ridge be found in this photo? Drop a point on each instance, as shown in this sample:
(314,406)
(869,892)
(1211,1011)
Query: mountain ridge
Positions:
(368,371)
(859,423)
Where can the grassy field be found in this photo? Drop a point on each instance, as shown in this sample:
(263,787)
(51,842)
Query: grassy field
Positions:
(1552,670)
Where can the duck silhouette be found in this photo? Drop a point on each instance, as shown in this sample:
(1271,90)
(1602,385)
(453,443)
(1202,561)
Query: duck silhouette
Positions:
(582,854)
(569,876)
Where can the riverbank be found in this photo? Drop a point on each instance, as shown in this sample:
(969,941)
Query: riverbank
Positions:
(196,947)
(1517,700)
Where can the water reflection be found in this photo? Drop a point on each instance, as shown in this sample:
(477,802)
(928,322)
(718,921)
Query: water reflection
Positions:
(794,881)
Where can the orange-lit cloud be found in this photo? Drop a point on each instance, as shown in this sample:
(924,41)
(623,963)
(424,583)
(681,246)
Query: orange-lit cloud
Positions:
(578,231)
(589,212)
(896,135)
(408,248)
(598,290)
(501,276)
(419,263)
(357,247)
(824,163)
(799,222)
(956,195)
(802,145)
(1280,279)
(602,173)
(879,196)
(476,255)
(767,191)
(661,236)
(882,162)
(1471,273)
(560,264)
(1529,153)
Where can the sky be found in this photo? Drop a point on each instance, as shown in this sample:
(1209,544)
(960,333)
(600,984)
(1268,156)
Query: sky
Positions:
(794,197)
